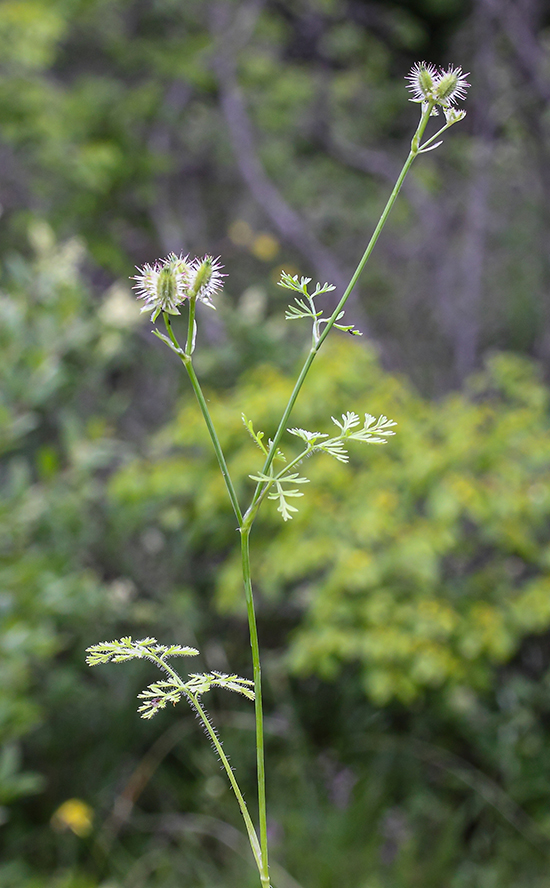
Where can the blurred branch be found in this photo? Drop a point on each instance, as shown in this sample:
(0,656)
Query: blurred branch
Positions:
(167,218)
(477,780)
(290,225)
(124,802)
(472,264)
(520,22)
(516,21)
(378,164)
(469,291)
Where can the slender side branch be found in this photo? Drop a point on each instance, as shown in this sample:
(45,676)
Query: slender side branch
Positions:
(215,441)
(188,364)
(415,148)
(254,844)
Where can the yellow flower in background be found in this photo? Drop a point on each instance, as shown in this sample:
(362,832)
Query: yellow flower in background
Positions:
(74,814)
(262,245)
(265,247)
(240,233)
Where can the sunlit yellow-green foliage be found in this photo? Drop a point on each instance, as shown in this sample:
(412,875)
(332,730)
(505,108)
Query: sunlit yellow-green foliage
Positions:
(425,561)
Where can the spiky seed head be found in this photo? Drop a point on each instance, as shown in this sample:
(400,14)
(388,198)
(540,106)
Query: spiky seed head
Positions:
(451,86)
(422,78)
(167,288)
(163,285)
(436,86)
(206,279)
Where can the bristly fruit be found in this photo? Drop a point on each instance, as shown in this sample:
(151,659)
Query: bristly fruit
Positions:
(163,285)
(436,86)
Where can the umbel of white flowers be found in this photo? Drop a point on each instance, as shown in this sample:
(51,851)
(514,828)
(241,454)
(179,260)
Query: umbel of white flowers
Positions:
(435,86)
(167,283)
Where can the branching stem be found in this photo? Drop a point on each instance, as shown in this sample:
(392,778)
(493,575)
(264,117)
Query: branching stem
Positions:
(259,847)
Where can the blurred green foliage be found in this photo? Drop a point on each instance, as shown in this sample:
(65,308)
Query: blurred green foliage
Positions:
(404,612)
(49,338)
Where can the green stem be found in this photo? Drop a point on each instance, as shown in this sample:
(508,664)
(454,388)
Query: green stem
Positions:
(258,707)
(209,727)
(294,462)
(215,441)
(415,144)
(253,838)
(188,364)
(191,326)
(436,136)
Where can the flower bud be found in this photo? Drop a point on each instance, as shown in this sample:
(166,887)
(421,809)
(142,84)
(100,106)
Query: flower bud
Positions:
(453,115)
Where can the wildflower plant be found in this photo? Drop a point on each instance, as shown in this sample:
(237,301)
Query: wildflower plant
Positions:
(177,283)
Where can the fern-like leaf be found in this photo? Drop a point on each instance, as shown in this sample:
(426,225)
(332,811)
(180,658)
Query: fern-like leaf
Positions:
(124,649)
(282,494)
(308,437)
(374,431)
(291,282)
(256,436)
(201,683)
(300,310)
(349,421)
(158,694)
(335,448)
(322,288)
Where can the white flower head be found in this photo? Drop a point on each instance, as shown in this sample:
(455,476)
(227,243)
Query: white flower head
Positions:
(164,285)
(206,279)
(436,86)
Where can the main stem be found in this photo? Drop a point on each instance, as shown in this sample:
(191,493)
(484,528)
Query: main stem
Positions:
(250,514)
(258,707)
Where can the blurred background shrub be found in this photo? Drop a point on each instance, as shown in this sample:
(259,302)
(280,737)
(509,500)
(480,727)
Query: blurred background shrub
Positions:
(405,612)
